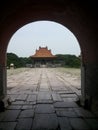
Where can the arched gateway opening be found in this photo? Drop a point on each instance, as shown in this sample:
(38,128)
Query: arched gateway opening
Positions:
(45,72)
(78,17)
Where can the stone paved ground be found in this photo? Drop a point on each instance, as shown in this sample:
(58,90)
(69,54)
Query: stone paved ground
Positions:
(45,99)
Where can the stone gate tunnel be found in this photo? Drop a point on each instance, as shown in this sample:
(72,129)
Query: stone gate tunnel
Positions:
(78,16)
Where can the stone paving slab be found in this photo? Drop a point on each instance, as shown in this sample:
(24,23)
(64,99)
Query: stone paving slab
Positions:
(66,113)
(7,125)
(70,99)
(84,113)
(44,108)
(69,95)
(45,122)
(65,104)
(44,101)
(56,97)
(14,107)
(24,124)
(9,115)
(31,98)
(13,97)
(93,123)
(43,96)
(27,107)
(65,92)
(30,103)
(64,123)
(26,113)
(57,88)
(79,124)
(44,84)
(20,103)
(44,89)
(21,97)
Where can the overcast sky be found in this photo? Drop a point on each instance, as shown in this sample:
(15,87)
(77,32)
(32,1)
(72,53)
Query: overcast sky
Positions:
(43,33)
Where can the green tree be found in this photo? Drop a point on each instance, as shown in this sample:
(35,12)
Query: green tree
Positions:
(68,60)
(17,61)
(13,58)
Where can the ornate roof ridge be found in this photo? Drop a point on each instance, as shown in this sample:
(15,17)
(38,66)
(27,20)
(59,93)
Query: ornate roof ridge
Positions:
(43,52)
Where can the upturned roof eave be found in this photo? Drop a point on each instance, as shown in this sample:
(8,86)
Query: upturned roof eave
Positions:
(43,56)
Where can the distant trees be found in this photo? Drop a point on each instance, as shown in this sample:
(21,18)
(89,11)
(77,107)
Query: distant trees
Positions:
(68,60)
(25,60)
(65,60)
(13,58)
(17,61)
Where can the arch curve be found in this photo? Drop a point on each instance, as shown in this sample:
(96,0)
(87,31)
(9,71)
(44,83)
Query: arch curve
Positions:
(68,16)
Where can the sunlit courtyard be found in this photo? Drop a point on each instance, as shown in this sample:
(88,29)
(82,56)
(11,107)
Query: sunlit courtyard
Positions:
(29,80)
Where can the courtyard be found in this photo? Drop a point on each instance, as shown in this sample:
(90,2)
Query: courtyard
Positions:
(45,99)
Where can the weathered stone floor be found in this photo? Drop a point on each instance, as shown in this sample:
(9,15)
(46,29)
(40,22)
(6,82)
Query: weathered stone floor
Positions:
(44,99)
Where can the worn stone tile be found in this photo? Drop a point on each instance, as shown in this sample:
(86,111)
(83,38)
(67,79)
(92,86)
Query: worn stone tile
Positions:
(66,113)
(24,124)
(57,88)
(79,124)
(31,98)
(21,97)
(43,96)
(56,97)
(93,123)
(44,102)
(7,125)
(65,104)
(67,99)
(27,92)
(44,108)
(14,107)
(65,92)
(45,122)
(32,103)
(69,95)
(20,103)
(35,92)
(44,89)
(44,84)
(2,115)
(13,97)
(27,107)
(84,113)
(26,113)
(70,99)
(9,115)
(64,123)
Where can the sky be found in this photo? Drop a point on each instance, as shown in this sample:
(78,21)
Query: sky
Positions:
(55,36)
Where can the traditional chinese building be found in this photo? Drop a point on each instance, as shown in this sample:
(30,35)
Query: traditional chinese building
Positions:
(43,58)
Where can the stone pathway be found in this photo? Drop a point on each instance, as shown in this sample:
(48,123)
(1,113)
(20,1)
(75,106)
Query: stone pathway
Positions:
(44,99)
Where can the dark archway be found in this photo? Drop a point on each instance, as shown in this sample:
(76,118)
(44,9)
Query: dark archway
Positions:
(78,17)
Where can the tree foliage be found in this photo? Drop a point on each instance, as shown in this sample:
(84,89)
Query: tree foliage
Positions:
(17,61)
(69,60)
(64,60)
(13,58)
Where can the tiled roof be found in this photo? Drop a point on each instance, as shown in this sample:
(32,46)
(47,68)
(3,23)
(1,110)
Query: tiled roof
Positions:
(43,52)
